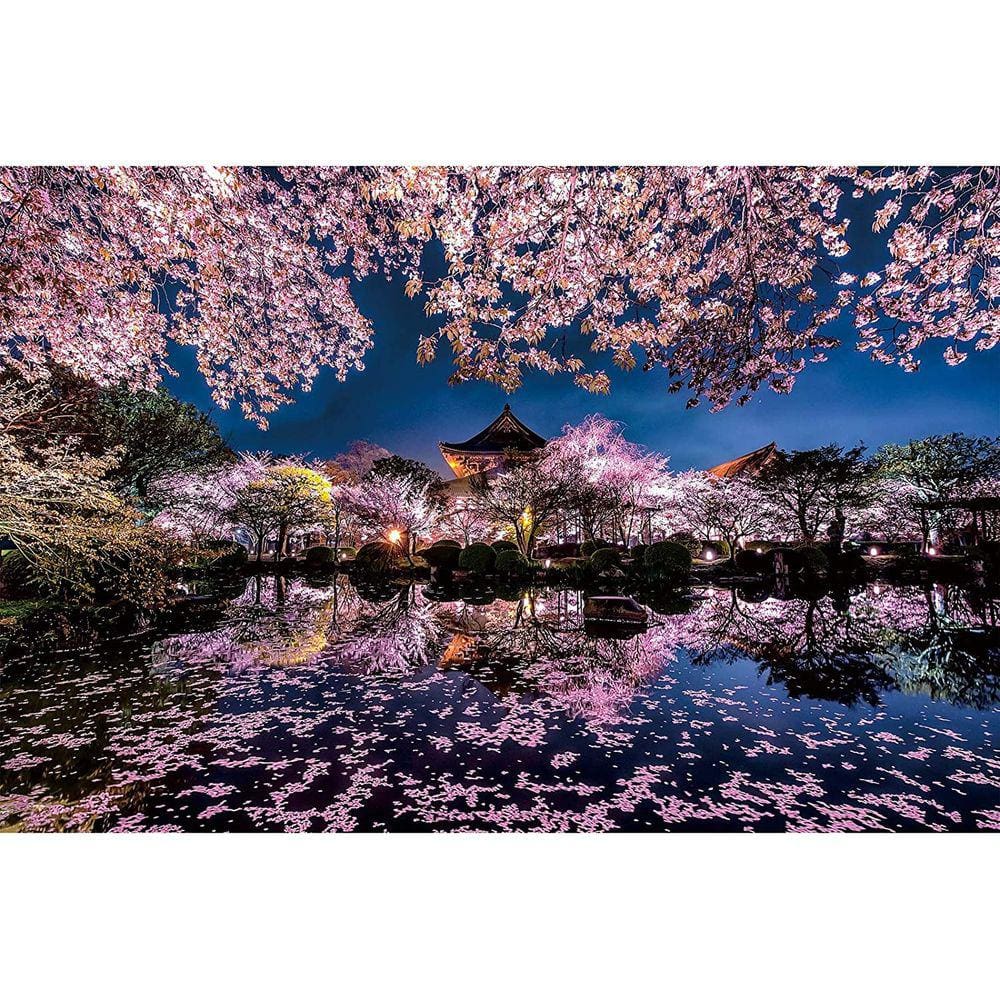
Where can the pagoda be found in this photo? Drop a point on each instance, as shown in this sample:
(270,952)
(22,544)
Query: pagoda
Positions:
(502,440)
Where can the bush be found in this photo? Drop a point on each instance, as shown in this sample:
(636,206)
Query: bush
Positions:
(751,561)
(588,548)
(478,558)
(987,553)
(441,556)
(759,543)
(377,559)
(667,561)
(813,561)
(574,571)
(638,551)
(447,542)
(233,558)
(693,545)
(503,545)
(512,564)
(808,561)
(346,552)
(604,559)
(720,550)
(16,576)
(319,555)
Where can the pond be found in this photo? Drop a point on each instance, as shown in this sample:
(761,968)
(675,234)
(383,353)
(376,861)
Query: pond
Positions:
(309,706)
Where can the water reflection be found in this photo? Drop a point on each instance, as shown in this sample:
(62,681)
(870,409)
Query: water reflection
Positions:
(293,705)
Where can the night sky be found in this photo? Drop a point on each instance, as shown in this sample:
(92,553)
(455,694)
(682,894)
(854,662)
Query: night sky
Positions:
(408,409)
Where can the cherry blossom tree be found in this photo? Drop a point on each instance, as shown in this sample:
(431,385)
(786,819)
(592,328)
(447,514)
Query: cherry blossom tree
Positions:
(403,506)
(619,480)
(725,278)
(732,509)
(939,468)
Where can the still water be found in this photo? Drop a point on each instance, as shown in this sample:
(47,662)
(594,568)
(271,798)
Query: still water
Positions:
(298,706)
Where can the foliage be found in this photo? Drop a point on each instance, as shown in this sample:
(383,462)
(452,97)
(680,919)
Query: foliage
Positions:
(605,559)
(667,562)
(724,277)
(592,545)
(527,496)
(441,556)
(511,564)
(478,558)
(687,541)
(503,545)
(638,551)
(809,489)
(377,559)
(938,468)
(319,555)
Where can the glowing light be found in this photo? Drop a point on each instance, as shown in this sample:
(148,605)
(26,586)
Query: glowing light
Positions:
(395,535)
(760,551)
(873,551)
(548,563)
(931,551)
(709,555)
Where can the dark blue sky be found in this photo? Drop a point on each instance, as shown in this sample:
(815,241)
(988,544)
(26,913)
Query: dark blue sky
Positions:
(408,409)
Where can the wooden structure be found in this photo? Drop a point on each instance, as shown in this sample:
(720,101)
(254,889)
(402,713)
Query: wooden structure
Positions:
(500,442)
(750,464)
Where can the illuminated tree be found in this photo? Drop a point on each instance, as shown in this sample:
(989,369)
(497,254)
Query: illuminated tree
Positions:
(725,278)
(816,488)
(939,468)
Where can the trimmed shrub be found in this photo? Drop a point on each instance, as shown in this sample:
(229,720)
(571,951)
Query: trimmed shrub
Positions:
(448,542)
(575,571)
(478,558)
(319,555)
(693,545)
(667,562)
(376,559)
(638,551)
(346,552)
(503,545)
(604,559)
(759,543)
(512,564)
(813,561)
(588,548)
(752,561)
(441,556)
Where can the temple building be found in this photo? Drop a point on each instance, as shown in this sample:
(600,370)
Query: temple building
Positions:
(502,440)
(750,464)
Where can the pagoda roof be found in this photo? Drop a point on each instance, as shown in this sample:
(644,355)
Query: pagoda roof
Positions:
(749,464)
(506,433)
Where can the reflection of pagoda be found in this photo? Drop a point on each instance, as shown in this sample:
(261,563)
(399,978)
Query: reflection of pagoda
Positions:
(504,438)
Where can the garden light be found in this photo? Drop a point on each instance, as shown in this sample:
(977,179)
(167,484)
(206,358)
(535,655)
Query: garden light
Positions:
(931,551)
(709,555)
(548,563)
(873,551)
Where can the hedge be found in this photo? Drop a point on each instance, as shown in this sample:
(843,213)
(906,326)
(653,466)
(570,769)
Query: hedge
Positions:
(591,546)
(503,545)
(693,545)
(376,558)
(604,559)
(511,563)
(667,561)
(319,555)
(441,556)
(477,558)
